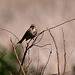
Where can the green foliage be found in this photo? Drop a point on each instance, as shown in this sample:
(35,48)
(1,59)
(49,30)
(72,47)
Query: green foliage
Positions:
(73,70)
(8,62)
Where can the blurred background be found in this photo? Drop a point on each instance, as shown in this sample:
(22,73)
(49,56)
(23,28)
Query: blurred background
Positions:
(17,16)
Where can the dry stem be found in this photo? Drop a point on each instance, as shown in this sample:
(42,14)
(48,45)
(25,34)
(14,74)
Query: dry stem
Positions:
(56,51)
(17,57)
(50,52)
(64,53)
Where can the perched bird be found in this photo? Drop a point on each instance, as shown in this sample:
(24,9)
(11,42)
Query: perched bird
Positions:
(29,34)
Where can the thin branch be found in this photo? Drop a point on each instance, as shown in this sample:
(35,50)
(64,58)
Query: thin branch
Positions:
(29,62)
(12,34)
(27,48)
(38,63)
(59,24)
(28,65)
(42,45)
(64,54)
(68,72)
(17,57)
(30,72)
(40,38)
(9,32)
(56,51)
(43,70)
(62,23)
(22,61)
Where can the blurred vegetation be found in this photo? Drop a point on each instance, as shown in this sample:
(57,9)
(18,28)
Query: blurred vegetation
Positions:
(74,70)
(8,61)
(9,64)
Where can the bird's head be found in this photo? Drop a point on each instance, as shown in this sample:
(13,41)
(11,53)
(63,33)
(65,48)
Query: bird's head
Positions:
(32,26)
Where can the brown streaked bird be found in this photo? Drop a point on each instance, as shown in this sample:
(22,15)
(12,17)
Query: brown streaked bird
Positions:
(29,34)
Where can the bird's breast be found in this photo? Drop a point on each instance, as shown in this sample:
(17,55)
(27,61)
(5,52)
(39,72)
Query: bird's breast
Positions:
(34,31)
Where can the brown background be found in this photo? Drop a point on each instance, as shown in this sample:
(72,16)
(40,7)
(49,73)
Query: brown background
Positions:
(17,15)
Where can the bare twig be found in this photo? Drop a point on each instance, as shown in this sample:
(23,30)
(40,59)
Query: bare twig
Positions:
(43,70)
(59,25)
(56,51)
(68,72)
(17,57)
(42,45)
(28,61)
(40,39)
(12,34)
(63,23)
(9,32)
(30,72)
(64,53)
(23,59)
(28,65)
(38,63)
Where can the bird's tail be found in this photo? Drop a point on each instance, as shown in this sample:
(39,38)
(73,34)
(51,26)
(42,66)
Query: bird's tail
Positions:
(20,41)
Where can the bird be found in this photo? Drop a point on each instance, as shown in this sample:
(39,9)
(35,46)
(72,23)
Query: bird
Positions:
(29,34)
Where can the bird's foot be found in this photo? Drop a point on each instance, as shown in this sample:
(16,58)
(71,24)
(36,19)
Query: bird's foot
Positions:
(27,44)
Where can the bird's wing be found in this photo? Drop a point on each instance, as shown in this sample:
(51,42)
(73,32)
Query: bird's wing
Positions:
(28,32)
